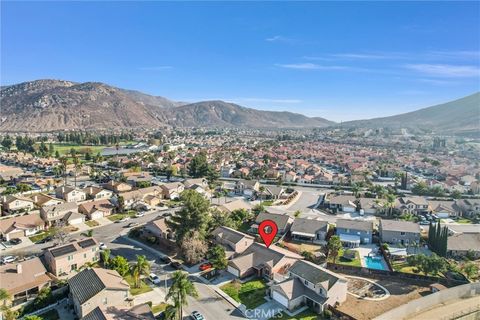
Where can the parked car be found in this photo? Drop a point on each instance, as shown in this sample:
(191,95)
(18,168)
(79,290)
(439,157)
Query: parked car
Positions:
(166,259)
(102,246)
(8,259)
(124,219)
(175,264)
(197,316)
(424,223)
(154,278)
(205,266)
(15,241)
(139,214)
(133,224)
(45,240)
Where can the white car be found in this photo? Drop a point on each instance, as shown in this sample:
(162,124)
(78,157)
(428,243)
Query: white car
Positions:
(8,259)
(139,214)
(102,246)
(124,219)
(154,278)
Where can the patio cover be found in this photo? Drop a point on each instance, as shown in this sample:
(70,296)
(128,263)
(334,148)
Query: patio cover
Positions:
(349,238)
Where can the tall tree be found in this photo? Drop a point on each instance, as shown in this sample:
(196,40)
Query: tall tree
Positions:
(193,216)
(181,288)
(334,246)
(198,165)
(141,267)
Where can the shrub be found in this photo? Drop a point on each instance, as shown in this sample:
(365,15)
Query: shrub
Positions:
(327,314)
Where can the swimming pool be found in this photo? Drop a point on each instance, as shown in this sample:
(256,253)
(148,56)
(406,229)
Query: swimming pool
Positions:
(374,263)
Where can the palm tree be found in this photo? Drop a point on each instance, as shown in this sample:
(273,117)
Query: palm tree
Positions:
(180,289)
(105,256)
(64,162)
(4,296)
(390,201)
(170,312)
(141,267)
(76,161)
(355,190)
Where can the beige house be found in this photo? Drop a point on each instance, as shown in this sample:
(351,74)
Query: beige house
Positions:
(138,312)
(172,190)
(96,209)
(59,213)
(21,226)
(261,261)
(137,197)
(41,199)
(159,229)
(308,284)
(96,193)
(235,241)
(117,186)
(12,204)
(68,258)
(70,194)
(23,280)
(96,287)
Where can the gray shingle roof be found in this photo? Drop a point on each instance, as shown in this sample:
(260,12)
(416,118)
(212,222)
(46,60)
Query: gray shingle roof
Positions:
(230,234)
(400,226)
(312,273)
(85,284)
(308,225)
(355,224)
(280,219)
(95,314)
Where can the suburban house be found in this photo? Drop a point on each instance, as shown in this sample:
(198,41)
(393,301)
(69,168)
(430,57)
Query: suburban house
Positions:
(261,261)
(138,312)
(159,229)
(399,232)
(341,202)
(444,209)
(271,192)
(413,205)
(117,186)
(310,285)
(21,226)
(96,209)
(371,206)
(97,287)
(41,199)
(283,221)
(97,193)
(247,188)
(12,204)
(65,259)
(309,230)
(238,204)
(172,190)
(23,280)
(70,194)
(61,213)
(136,198)
(194,183)
(469,207)
(460,244)
(352,233)
(234,241)
(137,179)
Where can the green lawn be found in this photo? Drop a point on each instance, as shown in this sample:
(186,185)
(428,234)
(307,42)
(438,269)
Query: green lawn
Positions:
(251,293)
(159,307)
(40,236)
(119,216)
(65,148)
(341,260)
(305,315)
(267,203)
(403,267)
(464,221)
(92,223)
(136,291)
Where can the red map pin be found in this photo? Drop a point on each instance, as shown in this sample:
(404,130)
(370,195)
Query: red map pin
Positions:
(267,230)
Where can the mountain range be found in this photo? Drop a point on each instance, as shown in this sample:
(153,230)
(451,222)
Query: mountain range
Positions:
(51,105)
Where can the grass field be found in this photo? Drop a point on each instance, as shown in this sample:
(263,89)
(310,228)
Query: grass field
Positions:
(64,148)
(251,293)
(41,236)
(136,291)
(341,260)
(159,308)
(304,315)
(92,223)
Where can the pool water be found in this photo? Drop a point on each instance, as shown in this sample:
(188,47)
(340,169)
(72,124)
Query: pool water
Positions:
(374,263)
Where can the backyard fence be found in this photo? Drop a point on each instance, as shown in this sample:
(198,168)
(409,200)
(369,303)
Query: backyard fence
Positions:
(374,273)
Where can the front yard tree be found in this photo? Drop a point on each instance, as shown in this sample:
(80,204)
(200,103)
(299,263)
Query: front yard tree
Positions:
(105,256)
(471,270)
(141,267)
(198,167)
(180,289)
(334,246)
(192,217)
(217,257)
(194,248)
(119,264)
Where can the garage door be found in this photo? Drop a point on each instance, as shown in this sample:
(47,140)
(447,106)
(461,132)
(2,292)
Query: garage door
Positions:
(280,299)
(233,271)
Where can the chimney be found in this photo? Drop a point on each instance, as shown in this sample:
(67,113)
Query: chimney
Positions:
(19,268)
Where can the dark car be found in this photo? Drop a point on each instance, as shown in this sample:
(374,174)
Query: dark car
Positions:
(15,241)
(165,259)
(175,264)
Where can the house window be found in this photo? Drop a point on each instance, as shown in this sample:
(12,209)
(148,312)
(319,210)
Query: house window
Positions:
(306,282)
(402,233)
(105,300)
(84,256)
(70,258)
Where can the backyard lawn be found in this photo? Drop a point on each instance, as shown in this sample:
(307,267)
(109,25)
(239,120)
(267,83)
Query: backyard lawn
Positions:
(159,307)
(304,315)
(136,291)
(341,260)
(402,266)
(251,293)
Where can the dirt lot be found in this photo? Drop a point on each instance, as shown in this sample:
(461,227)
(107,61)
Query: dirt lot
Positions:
(400,293)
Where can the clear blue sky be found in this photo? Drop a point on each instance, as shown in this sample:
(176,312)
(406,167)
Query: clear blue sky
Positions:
(338,60)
